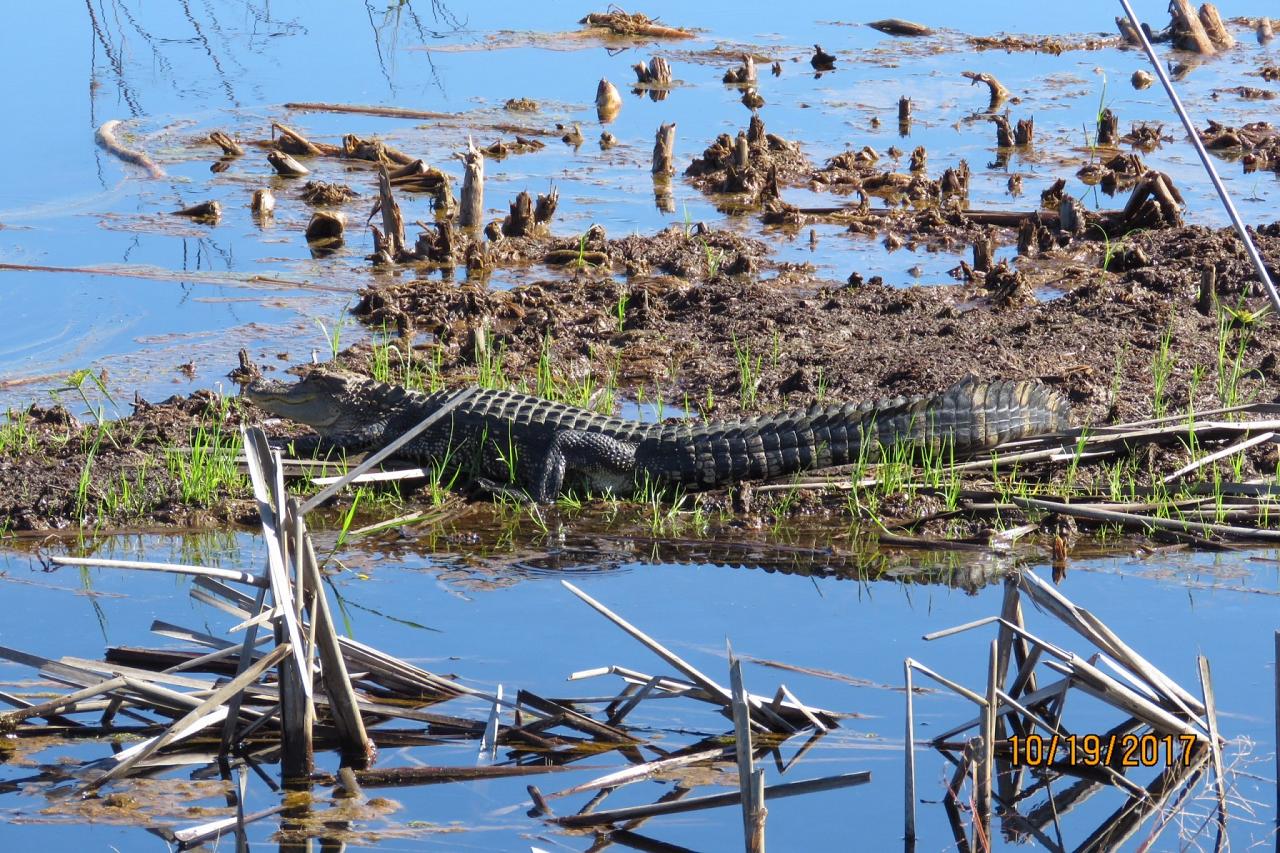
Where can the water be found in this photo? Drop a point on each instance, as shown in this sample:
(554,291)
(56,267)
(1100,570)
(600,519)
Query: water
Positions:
(494,624)
(198,293)
(177,72)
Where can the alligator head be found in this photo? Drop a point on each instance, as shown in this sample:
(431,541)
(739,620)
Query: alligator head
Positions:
(338,407)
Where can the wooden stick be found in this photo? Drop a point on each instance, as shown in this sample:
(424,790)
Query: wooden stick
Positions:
(257,451)
(1215,742)
(752,810)
(392,219)
(106,137)
(1221,454)
(986,758)
(332,489)
(719,695)
(909,776)
(195,719)
(297,140)
(356,745)
(789,789)
(641,772)
(387,112)
(1188,32)
(224,574)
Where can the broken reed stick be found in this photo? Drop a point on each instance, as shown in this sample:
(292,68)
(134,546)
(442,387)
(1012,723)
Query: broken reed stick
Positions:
(1188,32)
(180,568)
(360,109)
(1215,744)
(987,758)
(471,211)
(718,694)
(1203,528)
(329,491)
(753,811)
(62,705)
(909,776)
(258,453)
(777,792)
(356,747)
(194,720)
(1221,454)
(392,219)
(641,772)
(1093,629)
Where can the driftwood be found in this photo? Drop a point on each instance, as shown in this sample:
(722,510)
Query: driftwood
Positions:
(899,27)
(389,112)
(392,219)
(519,223)
(999,94)
(373,150)
(230,148)
(292,142)
(210,211)
(656,73)
(106,137)
(1025,131)
(471,212)
(621,23)
(286,165)
(1108,127)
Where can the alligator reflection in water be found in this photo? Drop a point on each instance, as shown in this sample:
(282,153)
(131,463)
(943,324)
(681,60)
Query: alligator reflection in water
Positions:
(814,552)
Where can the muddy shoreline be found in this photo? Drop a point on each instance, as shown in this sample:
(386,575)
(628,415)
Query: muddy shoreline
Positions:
(716,345)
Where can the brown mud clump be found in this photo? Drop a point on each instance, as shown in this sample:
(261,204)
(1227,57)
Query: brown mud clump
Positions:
(754,162)
(170,463)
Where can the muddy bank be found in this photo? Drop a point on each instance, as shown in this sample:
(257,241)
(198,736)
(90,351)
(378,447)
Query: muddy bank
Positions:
(740,343)
(1141,338)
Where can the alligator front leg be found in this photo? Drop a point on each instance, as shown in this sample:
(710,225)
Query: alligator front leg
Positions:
(588,460)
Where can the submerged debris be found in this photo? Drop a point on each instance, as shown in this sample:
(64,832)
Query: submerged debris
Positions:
(621,23)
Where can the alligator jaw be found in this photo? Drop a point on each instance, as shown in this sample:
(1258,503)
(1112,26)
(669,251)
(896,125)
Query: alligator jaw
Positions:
(298,402)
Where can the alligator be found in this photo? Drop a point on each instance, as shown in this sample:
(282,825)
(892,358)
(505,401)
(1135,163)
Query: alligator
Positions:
(545,447)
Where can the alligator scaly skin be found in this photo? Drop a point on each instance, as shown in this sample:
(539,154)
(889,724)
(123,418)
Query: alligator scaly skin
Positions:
(544,447)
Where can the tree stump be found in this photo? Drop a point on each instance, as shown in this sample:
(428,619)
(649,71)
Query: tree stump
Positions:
(663,147)
(471,214)
(1213,26)
(1188,31)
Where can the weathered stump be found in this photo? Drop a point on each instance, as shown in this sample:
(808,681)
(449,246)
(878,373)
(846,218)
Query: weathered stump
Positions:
(1025,132)
(663,149)
(1188,31)
(471,212)
(1213,26)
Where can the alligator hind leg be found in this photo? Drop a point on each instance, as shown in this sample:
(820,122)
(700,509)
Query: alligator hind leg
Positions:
(590,459)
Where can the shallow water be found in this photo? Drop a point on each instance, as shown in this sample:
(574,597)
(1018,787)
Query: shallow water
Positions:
(199,293)
(517,626)
(177,72)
